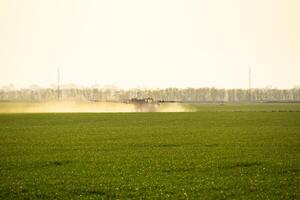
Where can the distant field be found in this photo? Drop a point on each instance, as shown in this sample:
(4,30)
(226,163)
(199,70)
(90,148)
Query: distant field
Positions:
(255,107)
(84,106)
(219,152)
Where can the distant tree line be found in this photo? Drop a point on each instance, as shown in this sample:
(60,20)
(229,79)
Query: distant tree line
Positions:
(168,94)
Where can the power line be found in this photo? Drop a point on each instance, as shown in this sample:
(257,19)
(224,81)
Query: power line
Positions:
(250,83)
(58,84)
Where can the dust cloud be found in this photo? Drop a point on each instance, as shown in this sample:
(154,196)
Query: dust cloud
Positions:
(173,107)
(83,106)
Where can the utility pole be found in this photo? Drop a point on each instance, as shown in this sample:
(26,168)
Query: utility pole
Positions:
(58,84)
(250,99)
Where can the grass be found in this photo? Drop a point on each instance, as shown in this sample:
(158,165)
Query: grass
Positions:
(212,154)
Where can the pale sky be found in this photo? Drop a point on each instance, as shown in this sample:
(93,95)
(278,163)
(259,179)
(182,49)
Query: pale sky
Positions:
(153,43)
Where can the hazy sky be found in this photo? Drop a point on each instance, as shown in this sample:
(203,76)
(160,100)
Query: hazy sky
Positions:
(153,43)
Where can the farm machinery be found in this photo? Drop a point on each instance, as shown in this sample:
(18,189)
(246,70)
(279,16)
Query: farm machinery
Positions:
(143,104)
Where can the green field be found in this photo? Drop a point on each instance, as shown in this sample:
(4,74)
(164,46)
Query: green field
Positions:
(219,152)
